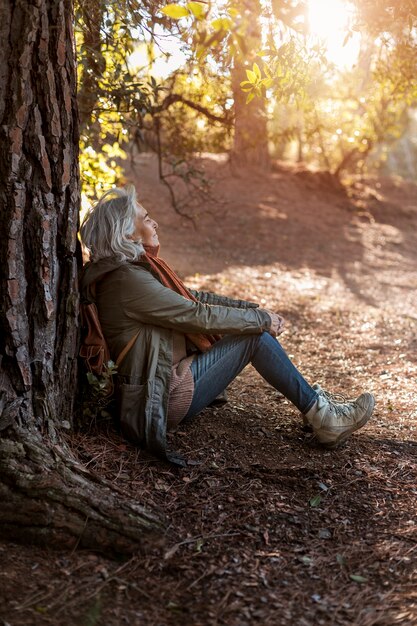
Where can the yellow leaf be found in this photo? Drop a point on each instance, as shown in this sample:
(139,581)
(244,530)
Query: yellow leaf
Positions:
(267,82)
(250,98)
(197,9)
(175,11)
(256,70)
(221,23)
(200,51)
(251,76)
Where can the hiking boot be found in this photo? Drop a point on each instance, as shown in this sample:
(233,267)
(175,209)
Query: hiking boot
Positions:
(333,422)
(336,398)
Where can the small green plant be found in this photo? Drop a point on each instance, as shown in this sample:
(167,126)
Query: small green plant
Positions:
(97,396)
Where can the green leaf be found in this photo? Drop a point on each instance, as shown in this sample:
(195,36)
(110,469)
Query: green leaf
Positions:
(357,578)
(307,560)
(197,9)
(250,97)
(315,500)
(175,11)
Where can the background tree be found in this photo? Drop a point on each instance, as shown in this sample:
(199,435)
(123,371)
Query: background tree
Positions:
(123,103)
(371,100)
(234,36)
(250,136)
(250,70)
(107,90)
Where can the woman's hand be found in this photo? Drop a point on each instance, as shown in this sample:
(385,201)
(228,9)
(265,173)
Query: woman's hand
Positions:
(277,323)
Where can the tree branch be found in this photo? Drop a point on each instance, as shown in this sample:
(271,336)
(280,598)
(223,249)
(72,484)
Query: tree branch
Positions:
(172,98)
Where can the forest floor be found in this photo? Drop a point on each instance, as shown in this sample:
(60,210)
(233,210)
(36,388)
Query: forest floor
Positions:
(264,526)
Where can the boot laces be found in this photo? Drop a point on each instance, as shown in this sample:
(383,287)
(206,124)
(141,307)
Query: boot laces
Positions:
(342,409)
(334,398)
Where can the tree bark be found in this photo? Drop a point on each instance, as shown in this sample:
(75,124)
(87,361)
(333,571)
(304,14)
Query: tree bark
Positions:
(49,498)
(44,492)
(39,195)
(94,63)
(250,145)
(250,142)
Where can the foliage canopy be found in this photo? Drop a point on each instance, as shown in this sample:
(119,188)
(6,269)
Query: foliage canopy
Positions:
(342,118)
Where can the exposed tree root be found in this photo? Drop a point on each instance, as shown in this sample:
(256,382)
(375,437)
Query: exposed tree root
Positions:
(48,497)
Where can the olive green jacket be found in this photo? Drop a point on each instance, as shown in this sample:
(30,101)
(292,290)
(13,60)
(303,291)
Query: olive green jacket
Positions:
(131,299)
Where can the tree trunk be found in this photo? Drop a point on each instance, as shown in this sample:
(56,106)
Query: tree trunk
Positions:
(94,63)
(39,193)
(47,493)
(250,145)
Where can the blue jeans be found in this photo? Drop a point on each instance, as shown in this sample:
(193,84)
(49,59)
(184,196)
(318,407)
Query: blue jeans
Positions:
(215,369)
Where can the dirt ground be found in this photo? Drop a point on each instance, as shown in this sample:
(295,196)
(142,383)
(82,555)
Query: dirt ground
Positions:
(263,526)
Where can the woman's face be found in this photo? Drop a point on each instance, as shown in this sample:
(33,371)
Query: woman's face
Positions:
(145,228)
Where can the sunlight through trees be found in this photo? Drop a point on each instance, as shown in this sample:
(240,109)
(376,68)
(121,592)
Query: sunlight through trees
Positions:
(254,78)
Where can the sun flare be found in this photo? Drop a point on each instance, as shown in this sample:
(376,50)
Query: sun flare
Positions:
(329,21)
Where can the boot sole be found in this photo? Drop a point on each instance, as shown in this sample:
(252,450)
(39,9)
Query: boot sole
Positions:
(343,436)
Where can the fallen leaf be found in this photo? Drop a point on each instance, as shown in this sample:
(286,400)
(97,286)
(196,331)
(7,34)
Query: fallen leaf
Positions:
(315,500)
(357,578)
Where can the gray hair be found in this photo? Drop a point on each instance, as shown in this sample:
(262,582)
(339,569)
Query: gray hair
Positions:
(108,224)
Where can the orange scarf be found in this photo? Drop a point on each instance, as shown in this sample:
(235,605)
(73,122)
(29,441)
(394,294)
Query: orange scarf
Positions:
(170,279)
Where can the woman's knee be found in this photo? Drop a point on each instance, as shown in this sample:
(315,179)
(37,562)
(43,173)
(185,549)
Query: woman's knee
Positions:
(267,338)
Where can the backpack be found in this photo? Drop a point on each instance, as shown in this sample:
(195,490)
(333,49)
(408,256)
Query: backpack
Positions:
(94,349)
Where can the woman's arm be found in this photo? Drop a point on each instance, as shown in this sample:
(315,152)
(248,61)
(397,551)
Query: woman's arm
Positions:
(207,297)
(146,300)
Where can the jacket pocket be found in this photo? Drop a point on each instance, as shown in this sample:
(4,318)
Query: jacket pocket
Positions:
(132,405)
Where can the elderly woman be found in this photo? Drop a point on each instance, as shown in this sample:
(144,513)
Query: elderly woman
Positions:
(185,347)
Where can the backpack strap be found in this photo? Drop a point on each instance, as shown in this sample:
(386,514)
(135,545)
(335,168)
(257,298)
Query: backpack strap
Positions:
(126,349)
